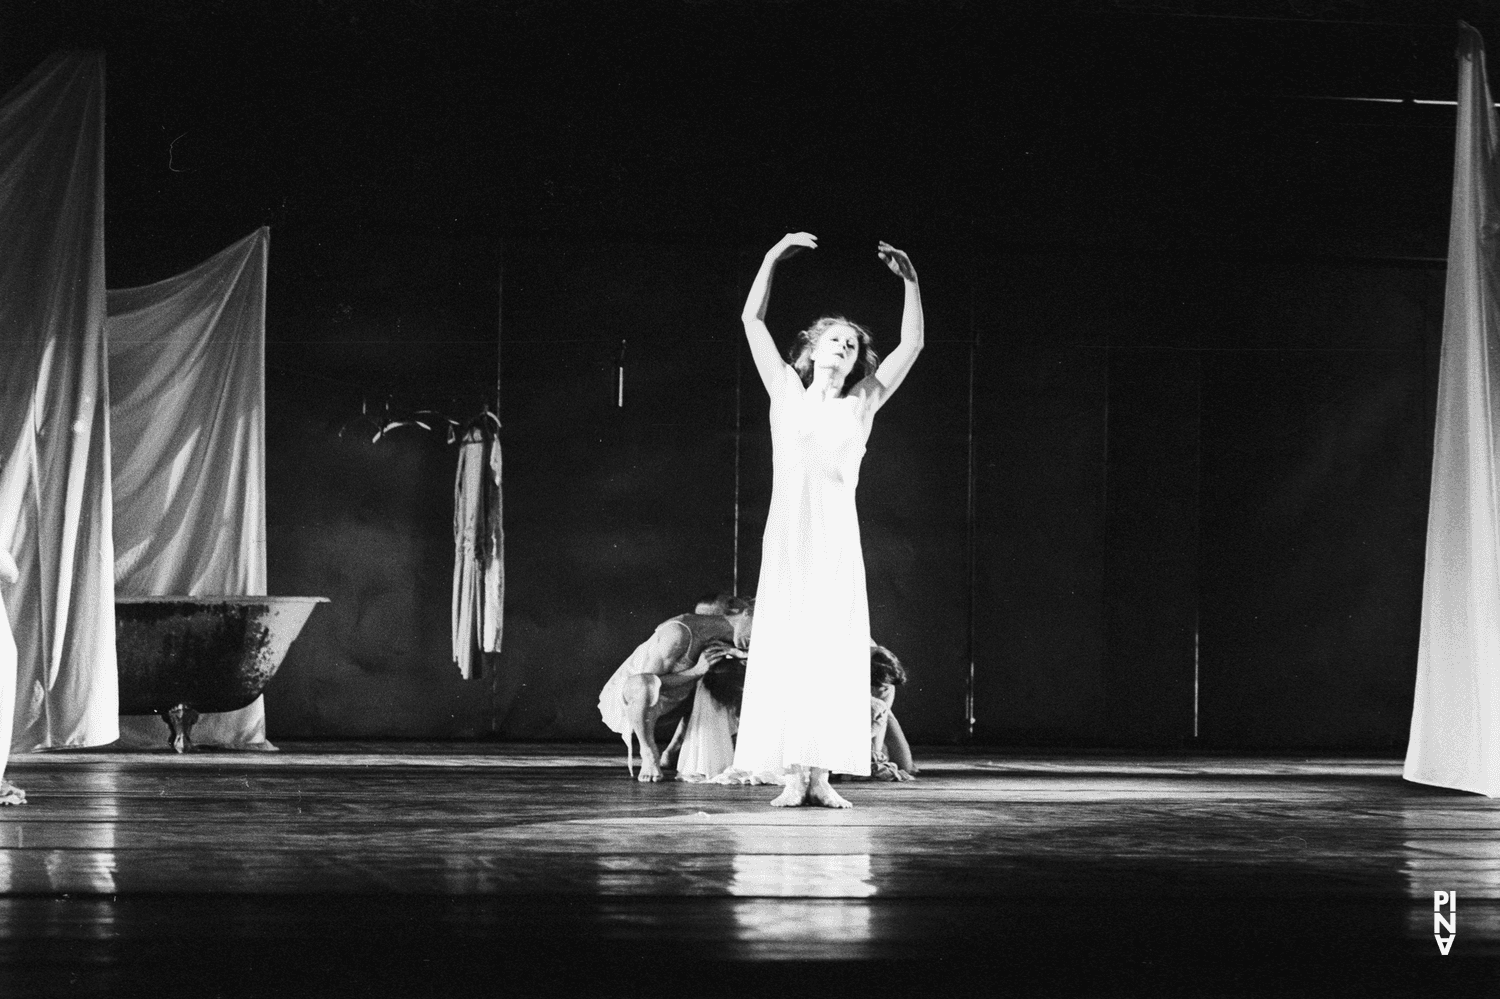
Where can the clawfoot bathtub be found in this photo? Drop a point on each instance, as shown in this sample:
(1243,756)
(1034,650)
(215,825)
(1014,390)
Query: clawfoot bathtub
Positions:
(180,656)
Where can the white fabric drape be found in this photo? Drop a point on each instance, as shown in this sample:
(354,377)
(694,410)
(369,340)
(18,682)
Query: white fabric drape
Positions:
(1455,729)
(479,549)
(187,407)
(708,741)
(54,408)
(7,665)
(7,685)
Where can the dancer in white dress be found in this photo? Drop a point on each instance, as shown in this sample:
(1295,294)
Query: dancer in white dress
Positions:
(806,709)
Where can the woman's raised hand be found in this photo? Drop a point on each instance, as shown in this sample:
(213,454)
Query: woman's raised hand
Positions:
(896,260)
(793,243)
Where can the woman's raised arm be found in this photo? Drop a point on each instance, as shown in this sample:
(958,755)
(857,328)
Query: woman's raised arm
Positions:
(762,348)
(898,362)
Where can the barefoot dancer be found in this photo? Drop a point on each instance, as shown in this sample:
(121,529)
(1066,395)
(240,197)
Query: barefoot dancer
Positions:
(807,688)
(9,793)
(890,754)
(658,679)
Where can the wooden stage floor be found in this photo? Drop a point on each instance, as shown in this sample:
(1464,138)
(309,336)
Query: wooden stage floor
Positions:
(418,869)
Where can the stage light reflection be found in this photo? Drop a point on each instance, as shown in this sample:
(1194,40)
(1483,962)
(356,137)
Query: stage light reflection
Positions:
(779,875)
(801,859)
(803,928)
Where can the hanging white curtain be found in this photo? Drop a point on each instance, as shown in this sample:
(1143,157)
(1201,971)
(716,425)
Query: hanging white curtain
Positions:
(1455,726)
(54,407)
(187,408)
(479,548)
(7,671)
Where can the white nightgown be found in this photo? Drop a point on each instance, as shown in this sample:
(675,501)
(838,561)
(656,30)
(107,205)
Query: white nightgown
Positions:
(807,683)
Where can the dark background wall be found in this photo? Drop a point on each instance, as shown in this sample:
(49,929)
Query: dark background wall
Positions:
(1160,477)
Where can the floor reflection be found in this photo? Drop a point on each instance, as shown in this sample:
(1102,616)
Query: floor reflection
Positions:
(796,900)
(803,928)
(816,875)
(801,860)
(1452,850)
(76,862)
(76,858)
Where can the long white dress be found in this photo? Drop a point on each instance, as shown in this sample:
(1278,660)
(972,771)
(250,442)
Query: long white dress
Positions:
(807,683)
(478,609)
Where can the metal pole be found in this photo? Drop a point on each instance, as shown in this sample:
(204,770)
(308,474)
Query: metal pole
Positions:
(500,329)
(969,720)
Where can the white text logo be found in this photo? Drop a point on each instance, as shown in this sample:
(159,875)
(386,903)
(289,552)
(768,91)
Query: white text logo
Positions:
(1442,923)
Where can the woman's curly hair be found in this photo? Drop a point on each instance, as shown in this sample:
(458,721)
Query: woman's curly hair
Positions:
(725,679)
(885,668)
(799,355)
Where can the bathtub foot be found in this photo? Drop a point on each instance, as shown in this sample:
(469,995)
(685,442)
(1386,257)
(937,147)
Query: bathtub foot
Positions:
(180,720)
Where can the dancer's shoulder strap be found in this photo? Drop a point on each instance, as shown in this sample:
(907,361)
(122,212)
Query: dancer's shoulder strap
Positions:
(679,621)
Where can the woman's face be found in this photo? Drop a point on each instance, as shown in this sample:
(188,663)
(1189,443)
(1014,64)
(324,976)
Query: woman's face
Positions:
(838,350)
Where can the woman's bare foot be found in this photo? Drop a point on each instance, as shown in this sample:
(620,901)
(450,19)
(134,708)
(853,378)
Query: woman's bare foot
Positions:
(795,792)
(10,794)
(819,793)
(650,772)
(650,769)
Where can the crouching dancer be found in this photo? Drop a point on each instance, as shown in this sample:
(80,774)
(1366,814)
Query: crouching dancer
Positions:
(655,685)
(890,755)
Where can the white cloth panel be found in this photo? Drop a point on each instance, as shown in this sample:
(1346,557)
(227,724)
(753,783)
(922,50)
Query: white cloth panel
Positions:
(187,406)
(7,684)
(479,550)
(54,407)
(1455,727)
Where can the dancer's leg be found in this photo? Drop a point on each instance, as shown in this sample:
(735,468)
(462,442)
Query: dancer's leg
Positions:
(669,755)
(642,708)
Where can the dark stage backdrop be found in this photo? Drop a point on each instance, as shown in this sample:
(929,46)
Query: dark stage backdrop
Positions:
(1198,491)
(1202,500)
